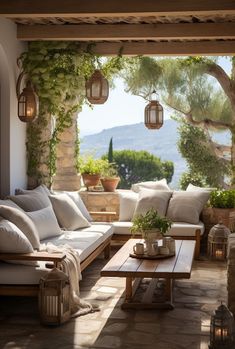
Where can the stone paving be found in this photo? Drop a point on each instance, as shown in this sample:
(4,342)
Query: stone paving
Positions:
(187,326)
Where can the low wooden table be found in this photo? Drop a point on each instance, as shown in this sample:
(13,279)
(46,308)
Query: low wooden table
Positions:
(134,270)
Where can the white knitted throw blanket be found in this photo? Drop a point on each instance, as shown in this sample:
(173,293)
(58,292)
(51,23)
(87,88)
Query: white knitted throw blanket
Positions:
(71,267)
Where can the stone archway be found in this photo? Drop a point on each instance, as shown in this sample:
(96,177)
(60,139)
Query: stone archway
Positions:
(4,125)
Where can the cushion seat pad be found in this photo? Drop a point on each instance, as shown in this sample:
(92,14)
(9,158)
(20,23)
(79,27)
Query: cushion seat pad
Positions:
(85,241)
(177,228)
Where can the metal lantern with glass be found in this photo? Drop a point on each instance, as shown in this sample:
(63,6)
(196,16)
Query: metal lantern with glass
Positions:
(217,242)
(153,114)
(54,298)
(222,329)
(97,88)
(27,101)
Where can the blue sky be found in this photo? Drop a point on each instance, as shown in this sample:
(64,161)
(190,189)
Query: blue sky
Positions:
(121,108)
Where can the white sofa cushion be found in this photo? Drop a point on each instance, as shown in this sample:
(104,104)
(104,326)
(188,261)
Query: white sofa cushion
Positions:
(157,185)
(150,198)
(68,214)
(46,222)
(187,206)
(128,200)
(177,229)
(23,222)
(85,241)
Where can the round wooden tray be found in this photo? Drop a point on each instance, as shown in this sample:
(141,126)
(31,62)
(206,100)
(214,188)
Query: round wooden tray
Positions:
(146,256)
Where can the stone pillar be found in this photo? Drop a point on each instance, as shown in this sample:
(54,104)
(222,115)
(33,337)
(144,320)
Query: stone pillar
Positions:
(66,177)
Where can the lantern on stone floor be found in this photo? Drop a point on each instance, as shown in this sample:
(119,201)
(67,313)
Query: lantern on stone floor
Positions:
(153,114)
(27,101)
(54,298)
(97,88)
(222,329)
(217,241)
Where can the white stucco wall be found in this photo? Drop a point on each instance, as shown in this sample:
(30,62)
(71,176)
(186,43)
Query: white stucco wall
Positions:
(10,49)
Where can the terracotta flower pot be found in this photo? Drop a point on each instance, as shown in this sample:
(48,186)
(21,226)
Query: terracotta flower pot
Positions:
(90,180)
(110,184)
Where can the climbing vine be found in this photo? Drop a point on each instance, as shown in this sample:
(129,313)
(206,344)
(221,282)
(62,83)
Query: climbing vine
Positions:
(58,71)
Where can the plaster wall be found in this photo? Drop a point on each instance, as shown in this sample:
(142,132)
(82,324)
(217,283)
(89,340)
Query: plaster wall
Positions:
(12,130)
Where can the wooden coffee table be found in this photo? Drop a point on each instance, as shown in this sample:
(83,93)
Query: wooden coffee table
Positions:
(134,270)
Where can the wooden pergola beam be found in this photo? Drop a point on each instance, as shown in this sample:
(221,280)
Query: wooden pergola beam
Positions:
(99,8)
(192,48)
(127,31)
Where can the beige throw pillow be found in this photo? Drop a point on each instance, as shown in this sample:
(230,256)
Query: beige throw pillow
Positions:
(45,222)
(31,202)
(40,189)
(192,187)
(68,214)
(157,185)
(187,206)
(23,222)
(156,199)
(12,240)
(128,201)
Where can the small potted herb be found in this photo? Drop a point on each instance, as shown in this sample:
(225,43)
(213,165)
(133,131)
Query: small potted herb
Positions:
(151,225)
(110,178)
(91,170)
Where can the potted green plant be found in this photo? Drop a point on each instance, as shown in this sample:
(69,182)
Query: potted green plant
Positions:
(150,225)
(91,170)
(110,178)
(221,207)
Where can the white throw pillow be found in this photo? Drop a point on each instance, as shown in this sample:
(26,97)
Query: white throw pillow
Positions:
(192,187)
(157,185)
(74,195)
(156,199)
(68,214)
(23,222)
(187,206)
(12,240)
(45,222)
(128,200)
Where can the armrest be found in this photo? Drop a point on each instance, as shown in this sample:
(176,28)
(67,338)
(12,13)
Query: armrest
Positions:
(34,256)
(108,215)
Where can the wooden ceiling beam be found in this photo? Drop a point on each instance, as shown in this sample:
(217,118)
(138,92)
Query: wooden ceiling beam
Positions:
(100,8)
(193,48)
(126,31)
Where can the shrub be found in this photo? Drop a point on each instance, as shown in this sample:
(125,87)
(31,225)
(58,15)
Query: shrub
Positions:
(222,199)
(195,179)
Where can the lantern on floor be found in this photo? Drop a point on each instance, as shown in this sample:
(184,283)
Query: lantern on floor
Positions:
(54,298)
(222,329)
(153,114)
(27,101)
(217,241)
(97,88)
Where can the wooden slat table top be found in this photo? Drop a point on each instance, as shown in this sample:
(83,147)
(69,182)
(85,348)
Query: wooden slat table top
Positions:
(178,266)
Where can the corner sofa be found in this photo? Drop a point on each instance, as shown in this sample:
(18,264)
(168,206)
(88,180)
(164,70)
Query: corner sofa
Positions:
(29,220)
(182,207)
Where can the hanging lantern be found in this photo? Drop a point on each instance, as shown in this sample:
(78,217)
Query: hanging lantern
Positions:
(222,329)
(27,101)
(54,298)
(97,88)
(217,242)
(153,114)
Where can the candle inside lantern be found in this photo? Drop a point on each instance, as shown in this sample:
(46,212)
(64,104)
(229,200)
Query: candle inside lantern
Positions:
(219,254)
(29,111)
(221,333)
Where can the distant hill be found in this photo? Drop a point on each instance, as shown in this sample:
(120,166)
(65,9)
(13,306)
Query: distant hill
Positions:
(162,143)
